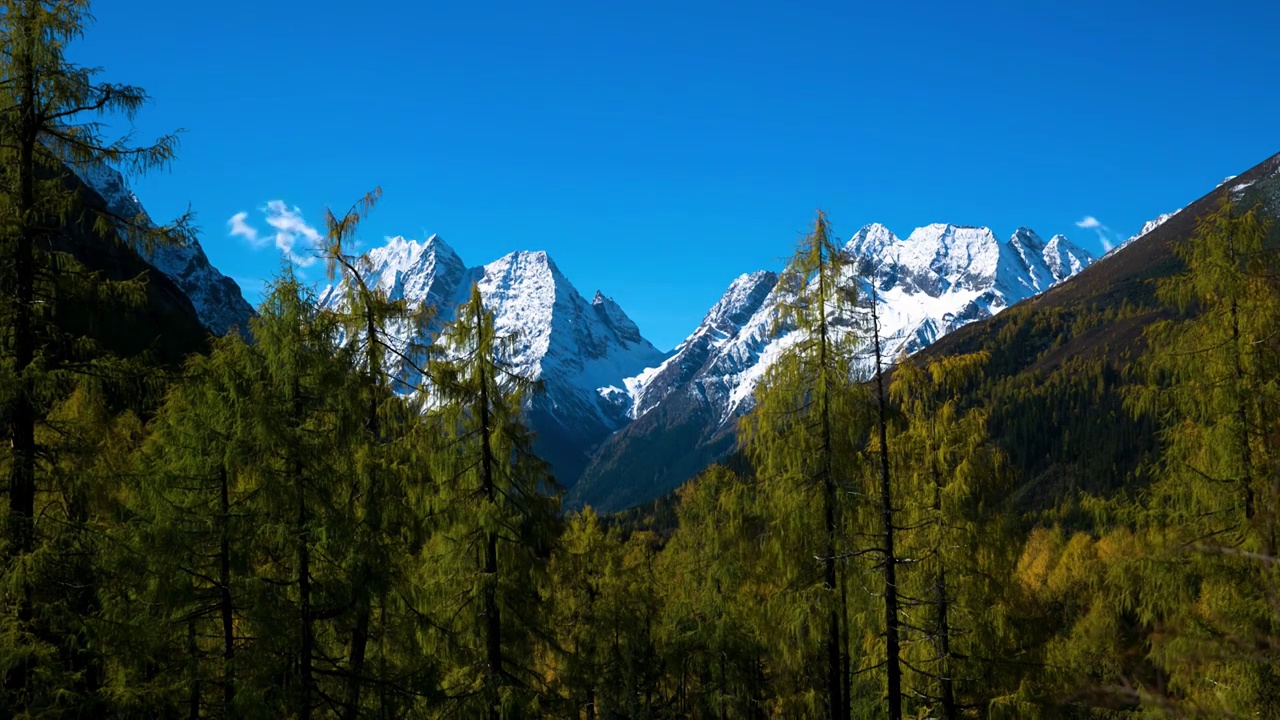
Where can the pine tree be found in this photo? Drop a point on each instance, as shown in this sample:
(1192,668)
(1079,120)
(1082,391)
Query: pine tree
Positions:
(889,558)
(954,487)
(388,457)
(803,441)
(44,351)
(1210,578)
(496,520)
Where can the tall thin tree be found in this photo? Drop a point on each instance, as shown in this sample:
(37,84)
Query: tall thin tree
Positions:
(801,438)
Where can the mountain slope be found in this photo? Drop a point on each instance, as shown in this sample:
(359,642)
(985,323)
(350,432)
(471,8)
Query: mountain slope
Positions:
(937,279)
(578,349)
(216,298)
(165,329)
(1060,361)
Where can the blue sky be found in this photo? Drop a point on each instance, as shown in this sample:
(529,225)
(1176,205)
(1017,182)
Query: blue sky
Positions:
(657,150)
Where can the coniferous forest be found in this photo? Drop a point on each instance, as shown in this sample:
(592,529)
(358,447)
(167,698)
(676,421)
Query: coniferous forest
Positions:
(311,518)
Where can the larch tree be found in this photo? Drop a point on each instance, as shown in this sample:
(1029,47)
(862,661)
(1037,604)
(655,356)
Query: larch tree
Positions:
(389,460)
(48,123)
(299,426)
(579,570)
(1210,583)
(494,521)
(954,486)
(803,440)
(190,542)
(711,629)
(883,491)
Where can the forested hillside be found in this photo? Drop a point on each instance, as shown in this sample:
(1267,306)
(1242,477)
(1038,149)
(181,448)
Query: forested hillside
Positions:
(1067,511)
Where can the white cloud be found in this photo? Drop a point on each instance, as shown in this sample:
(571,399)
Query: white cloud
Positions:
(1106,235)
(294,237)
(297,240)
(239,228)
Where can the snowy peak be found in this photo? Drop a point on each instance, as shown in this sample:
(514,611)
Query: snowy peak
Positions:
(870,242)
(429,271)
(611,314)
(929,283)
(942,258)
(216,298)
(578,349)
(1026,237)
(723,344)
(1064,258)
(962,255)
(743,298)
(958,254)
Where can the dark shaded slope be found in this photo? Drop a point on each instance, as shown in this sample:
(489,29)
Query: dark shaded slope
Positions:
(1053,387)
(672,442)
(164,330)
(1060,361)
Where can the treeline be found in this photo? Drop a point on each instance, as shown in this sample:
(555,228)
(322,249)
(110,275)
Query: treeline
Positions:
(319,519)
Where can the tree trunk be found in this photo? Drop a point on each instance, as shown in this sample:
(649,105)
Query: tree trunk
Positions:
(892,663)
(193,693)
(373,508)
(835,697)
(949,710)
(493,623)
(1242,416)
(228,620)
(22,471)
(306,650)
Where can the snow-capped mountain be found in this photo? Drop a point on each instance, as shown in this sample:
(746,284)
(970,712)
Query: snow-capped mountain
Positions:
(927,284)
(579,349)
(216,297)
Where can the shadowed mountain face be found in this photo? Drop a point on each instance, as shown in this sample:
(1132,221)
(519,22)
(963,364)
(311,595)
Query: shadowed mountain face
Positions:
(166,328)
(1060,362)
(215,297)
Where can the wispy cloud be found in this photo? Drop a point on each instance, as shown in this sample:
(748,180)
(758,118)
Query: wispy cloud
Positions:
(1106,235)
(237,227)
(293,236)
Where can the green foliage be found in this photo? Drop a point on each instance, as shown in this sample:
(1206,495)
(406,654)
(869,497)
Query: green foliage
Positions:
(1208,523)
(957,540)
(804,442)
(55,379)
(1075,517)
(493,519)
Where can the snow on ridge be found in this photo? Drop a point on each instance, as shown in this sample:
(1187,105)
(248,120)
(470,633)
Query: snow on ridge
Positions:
(579,349)
(1152,224)
(939,277)
(216,298)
